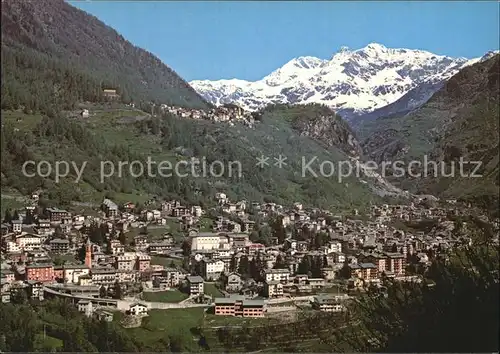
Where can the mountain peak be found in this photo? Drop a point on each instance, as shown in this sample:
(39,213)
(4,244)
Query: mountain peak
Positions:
(306,62)
(39,31)
(351,82)
(344,49)
(489,54)
(375,47)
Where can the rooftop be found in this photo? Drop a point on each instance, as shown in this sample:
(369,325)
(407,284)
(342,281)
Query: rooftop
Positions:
(271,271)
(34,265)
(109,204)
(56,210)
(195,279)
(59,240)
(103,270)
(253,302)
(138,304)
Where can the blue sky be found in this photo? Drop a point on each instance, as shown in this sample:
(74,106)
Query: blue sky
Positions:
(248,40)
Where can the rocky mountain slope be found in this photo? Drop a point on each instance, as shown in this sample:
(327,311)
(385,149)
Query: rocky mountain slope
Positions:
(51,36)
(351,82)
(321,124)
(459,121)
(408,102)
(413,99)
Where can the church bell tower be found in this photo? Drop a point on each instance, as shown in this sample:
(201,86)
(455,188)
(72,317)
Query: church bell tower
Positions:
(88,254)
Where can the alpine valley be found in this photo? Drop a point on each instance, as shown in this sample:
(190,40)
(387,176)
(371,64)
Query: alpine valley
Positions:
(329,109)
(55,106)
(401,104)
(144,213)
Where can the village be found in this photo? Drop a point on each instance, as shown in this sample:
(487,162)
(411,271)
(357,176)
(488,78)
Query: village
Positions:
(226,113)
(242,259)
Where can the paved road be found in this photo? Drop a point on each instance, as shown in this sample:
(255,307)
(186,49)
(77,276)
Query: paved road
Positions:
(125,304)
(288,299)
(281,309)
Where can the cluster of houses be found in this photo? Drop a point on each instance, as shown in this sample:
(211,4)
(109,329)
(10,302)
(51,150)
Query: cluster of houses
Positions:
(351,254)
(229,113)
(225,113)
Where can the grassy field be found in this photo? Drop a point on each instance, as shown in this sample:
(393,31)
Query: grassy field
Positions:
(47,343)
(110,126)
(118,127)
(210,289)
(7,203)
(21,120)
(206,224)
(173,227)
(63,258)
(160,324)
(165,296)
(122,198)
(184,324)
(156,233)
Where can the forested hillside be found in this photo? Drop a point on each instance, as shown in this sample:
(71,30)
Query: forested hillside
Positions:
(459,121)
(56,61)
(110,136)
(54,54)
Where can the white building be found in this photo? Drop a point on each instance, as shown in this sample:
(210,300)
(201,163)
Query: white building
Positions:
(273,289)
(212,269)
(221,197)
(338,257)
(196,285)
(205,241)
(126,261)
(281,275)
(12,247)
(196,211)
(329,303)
(334,247)
(17,226)
(138,309)
(28,242)
(86,307)
(72,273)
(116,247)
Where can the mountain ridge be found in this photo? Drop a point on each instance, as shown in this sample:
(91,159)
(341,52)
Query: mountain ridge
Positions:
(55,34)
(351,82)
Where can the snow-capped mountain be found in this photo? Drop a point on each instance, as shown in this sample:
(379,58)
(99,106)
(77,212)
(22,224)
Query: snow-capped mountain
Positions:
(351,82)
